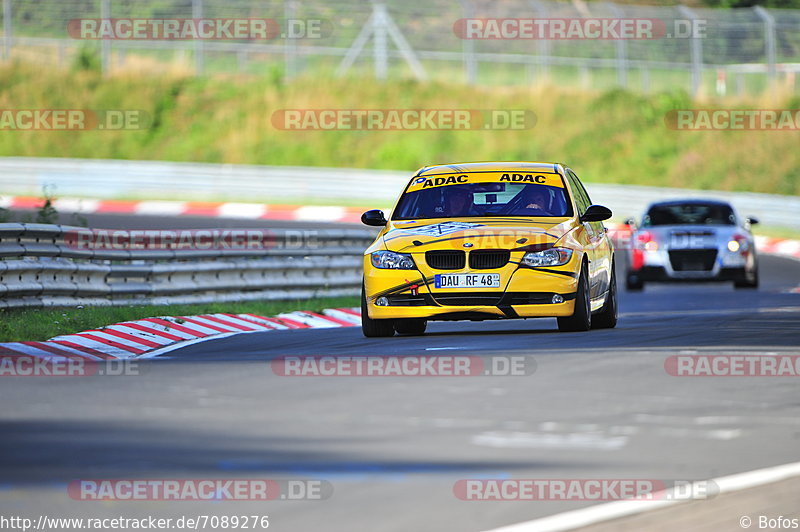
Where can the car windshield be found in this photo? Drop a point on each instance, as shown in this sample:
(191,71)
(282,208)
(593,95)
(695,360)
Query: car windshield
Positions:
(484,199)
(690,214)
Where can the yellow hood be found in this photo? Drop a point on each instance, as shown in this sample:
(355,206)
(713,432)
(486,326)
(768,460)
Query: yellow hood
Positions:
(482,232)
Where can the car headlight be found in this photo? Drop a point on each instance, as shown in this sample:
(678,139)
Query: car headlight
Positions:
(389,260)
(548,257)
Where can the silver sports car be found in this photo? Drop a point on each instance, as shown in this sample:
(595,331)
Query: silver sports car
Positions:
(692,240)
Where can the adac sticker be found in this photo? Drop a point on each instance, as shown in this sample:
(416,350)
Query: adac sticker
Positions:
(537,178)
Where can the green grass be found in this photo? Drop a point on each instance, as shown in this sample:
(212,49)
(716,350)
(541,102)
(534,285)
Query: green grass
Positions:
(777,232)
(42,324)
(607,136)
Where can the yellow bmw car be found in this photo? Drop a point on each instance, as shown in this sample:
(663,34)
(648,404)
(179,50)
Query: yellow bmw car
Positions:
(482,241)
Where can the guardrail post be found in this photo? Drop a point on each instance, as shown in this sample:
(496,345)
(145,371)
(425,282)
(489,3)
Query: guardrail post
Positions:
(697,51)
(7,38)
(199,49)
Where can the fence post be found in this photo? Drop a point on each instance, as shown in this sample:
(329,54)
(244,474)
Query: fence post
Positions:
(105,44)
(199,49)
(380,53)
(622,52)
(380,26)
(468,46)
(769,41)
(542,45)
(7,29)
(697,51)
(289,42)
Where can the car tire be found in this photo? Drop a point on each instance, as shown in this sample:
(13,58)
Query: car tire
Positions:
(411,326)
(748,283)
(633,282)
(373,328)
(581,319)
(607,317)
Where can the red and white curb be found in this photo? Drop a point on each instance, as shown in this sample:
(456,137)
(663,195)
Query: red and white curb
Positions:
(150,337)
(247,211)
(778,246)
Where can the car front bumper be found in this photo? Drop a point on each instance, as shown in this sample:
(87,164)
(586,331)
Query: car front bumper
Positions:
(712,264)
(523,293)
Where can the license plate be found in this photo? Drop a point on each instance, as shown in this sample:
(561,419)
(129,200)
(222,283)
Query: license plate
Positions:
(684,241)
(467,280)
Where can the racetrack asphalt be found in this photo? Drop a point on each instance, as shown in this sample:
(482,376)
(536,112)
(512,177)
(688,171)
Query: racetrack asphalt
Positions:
(599,405)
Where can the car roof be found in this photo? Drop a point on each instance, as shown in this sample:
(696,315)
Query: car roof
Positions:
(689,201)
(502,166)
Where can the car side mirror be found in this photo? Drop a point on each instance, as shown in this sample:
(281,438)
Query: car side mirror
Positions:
(374,217)
(596,213)
(752,220)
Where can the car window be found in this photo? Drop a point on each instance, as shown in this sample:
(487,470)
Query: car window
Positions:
(689,214)
(580,186)
(581,197)
(484,199)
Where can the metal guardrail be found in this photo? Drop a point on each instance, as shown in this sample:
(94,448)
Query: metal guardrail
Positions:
(93,178)
(105,178)
(40,267)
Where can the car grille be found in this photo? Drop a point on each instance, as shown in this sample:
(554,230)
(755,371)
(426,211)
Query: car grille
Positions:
(410,300)
(686,260)
(469,299)
(489,259)
(493,299)
(534,298)
(446,260)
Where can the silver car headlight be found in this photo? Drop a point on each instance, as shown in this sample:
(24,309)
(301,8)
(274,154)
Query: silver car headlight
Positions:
(389,260)
(548,257)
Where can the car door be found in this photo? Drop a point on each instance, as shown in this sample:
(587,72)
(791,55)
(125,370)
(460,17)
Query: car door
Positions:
(597,249)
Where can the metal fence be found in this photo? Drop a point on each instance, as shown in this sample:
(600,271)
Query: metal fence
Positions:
(736,50)
(41,266)
(89,178)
